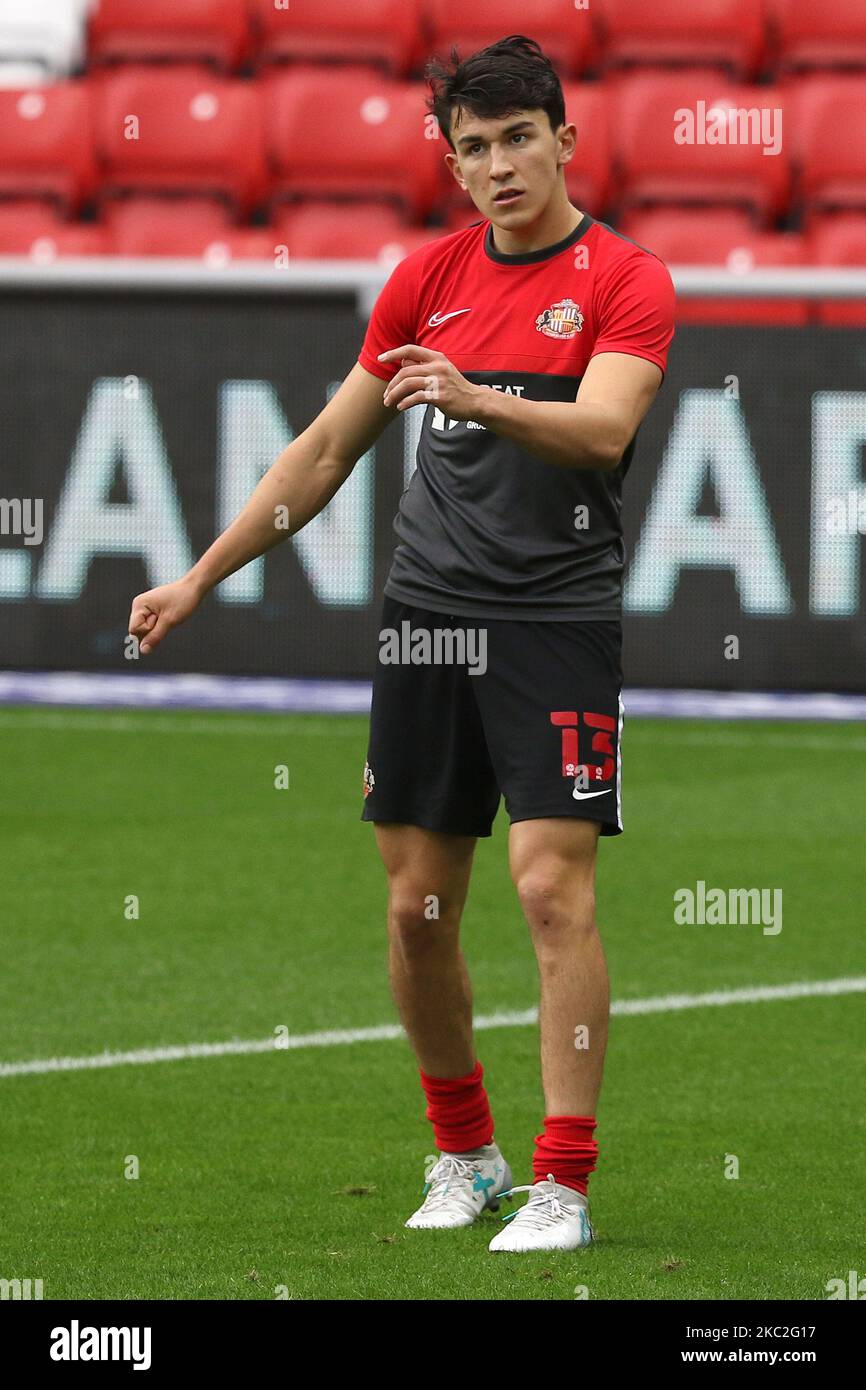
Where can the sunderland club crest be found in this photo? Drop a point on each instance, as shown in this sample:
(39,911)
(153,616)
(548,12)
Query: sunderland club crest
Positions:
(561,320)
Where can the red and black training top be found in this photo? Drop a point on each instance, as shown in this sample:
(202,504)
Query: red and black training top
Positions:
(485,528)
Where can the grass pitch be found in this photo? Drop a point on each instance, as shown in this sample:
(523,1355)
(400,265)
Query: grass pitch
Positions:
(290,1172)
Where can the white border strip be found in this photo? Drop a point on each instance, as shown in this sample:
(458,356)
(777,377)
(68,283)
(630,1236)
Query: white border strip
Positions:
(366,278)
(184,274)
(619,761)
(389,1032)
(278,695)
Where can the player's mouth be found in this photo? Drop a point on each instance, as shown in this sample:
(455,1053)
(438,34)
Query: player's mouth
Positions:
(508,195)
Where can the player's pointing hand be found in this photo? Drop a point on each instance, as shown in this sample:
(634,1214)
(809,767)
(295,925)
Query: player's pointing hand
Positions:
(426,376)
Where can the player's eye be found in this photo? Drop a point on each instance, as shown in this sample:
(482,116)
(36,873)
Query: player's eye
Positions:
(518,136)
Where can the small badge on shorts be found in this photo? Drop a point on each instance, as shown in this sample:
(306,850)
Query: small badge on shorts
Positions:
(369,779)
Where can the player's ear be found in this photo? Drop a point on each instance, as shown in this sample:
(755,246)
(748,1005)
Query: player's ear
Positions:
(567,140)
(453,164)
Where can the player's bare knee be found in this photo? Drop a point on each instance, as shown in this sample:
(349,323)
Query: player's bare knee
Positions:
(556,909)
(421,921)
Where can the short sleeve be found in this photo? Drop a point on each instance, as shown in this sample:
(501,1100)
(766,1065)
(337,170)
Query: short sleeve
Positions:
(636,310)
(392,322)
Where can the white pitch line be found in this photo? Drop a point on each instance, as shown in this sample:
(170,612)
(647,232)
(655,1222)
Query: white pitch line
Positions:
(388,1032)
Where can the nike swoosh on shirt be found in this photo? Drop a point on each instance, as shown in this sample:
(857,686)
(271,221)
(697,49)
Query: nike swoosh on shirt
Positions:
(584,796)
(438,318)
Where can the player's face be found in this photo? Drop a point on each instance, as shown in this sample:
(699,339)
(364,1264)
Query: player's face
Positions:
(509,166)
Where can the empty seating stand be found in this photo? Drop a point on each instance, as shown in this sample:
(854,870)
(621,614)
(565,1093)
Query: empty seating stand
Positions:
(567,34)
(729,34)
(380,33)
(692,138)
(220,129)
(46,143)
(178,132)
(318,230)
(189,31)
(829,142)
(363,136)
(828,35)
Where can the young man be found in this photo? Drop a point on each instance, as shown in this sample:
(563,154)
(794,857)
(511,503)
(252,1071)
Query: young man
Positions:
(537,339)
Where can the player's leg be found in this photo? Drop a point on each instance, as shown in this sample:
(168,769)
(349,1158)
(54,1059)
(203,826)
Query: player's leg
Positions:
(553,869)
(430,791)
(428,879)
(551,714)
(552,866)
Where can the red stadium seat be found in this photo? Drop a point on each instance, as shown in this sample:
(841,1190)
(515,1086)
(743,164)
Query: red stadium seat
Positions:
(213,31)
(70,239)
(191,136)
(33,229)
(565,33)
(363,136)
(456,206)
(840,241)
(461,216)
(587,177)
(46,143)
(216,245)
(697,239)
(642,225)
(724,33)
(367,232)
(381,33)
(664,127)
(829,114)
(831,34)
(27,213)
(163,222)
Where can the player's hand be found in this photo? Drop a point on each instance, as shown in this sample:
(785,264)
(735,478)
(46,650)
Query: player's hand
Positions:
(426,376)
(159,610)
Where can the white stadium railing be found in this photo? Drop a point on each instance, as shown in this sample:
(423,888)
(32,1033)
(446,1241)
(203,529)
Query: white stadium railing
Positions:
(366,278)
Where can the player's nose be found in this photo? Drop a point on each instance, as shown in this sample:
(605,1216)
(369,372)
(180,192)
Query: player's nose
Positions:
(501,166)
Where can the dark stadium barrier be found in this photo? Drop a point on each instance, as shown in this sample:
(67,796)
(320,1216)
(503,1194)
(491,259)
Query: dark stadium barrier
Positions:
(136,424)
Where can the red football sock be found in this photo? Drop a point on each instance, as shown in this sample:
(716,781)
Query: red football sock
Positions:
(567,1150)
(459,1110)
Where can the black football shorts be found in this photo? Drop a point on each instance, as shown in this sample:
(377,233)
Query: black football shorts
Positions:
(466,710)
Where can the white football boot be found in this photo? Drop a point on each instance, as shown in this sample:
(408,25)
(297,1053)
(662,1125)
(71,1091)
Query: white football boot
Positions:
(554,1218)
(460,1187)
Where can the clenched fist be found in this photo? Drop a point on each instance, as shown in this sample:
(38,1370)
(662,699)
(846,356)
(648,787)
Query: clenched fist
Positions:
(159,610)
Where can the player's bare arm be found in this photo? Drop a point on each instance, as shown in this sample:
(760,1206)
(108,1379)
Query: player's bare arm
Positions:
(298,485)
(615,394)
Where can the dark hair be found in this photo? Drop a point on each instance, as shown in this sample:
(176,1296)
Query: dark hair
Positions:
(510,75)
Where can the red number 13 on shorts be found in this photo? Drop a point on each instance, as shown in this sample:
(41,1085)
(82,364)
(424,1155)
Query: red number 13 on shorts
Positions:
(601,742)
